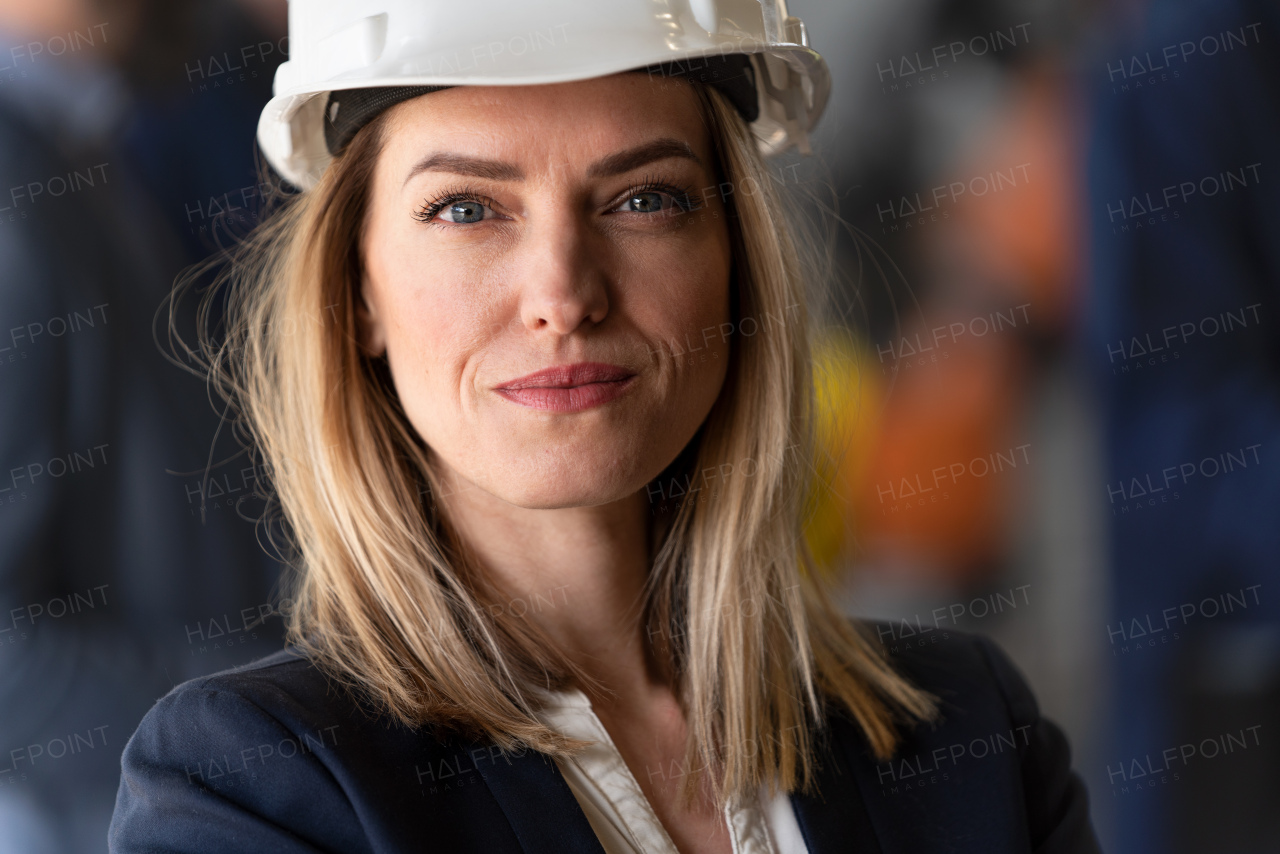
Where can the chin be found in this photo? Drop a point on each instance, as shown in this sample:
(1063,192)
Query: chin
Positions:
(555,496)
(577,480)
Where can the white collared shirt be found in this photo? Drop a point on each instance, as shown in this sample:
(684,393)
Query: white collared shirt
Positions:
(620,814)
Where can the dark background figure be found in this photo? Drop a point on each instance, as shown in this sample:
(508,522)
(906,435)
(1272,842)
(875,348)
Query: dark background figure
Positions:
(123,568)
(1184,207)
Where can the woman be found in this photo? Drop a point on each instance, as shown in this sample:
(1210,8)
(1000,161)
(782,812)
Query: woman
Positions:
(527,362)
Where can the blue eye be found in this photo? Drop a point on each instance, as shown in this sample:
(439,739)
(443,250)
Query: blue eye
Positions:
(645,202)
(656,198)
(465,211)
(457,207)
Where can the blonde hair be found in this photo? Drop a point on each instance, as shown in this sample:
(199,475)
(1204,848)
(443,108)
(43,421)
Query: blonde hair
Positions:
(386,598)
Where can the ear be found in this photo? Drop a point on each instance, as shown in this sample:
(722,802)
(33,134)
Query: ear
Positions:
(373,335)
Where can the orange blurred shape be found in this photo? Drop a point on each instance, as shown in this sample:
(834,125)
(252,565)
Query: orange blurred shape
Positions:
(931,497)
(1022,244)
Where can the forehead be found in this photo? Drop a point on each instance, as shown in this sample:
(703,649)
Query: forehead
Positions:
(561,123)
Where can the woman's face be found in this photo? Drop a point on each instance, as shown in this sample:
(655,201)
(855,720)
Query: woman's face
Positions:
(525,231)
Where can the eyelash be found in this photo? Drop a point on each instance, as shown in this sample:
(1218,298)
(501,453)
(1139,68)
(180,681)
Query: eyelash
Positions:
(426,213)
(682,196)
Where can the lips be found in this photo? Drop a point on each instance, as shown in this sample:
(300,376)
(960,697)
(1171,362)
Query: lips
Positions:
(568,388)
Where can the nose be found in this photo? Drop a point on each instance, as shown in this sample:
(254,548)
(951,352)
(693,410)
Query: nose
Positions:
(564,275)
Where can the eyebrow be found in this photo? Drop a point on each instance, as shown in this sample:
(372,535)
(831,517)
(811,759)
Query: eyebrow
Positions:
(459,164)
(633,158)
(614,164)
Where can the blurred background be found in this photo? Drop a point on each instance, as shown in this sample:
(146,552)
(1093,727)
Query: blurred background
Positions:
(1051,375)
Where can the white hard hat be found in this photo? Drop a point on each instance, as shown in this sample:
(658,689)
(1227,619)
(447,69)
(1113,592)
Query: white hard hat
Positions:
(363,44)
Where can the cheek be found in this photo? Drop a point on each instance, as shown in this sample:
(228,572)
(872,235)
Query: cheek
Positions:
(677,292)
(436,313)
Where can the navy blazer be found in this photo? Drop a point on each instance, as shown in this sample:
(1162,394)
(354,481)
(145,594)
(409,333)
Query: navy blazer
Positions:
(270,758)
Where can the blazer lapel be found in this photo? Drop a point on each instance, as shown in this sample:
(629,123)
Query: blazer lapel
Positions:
(969,807)
(547,819)
(539,804)
(834,820)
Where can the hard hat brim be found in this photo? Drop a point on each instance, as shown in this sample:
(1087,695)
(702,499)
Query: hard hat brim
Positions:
(792,83)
